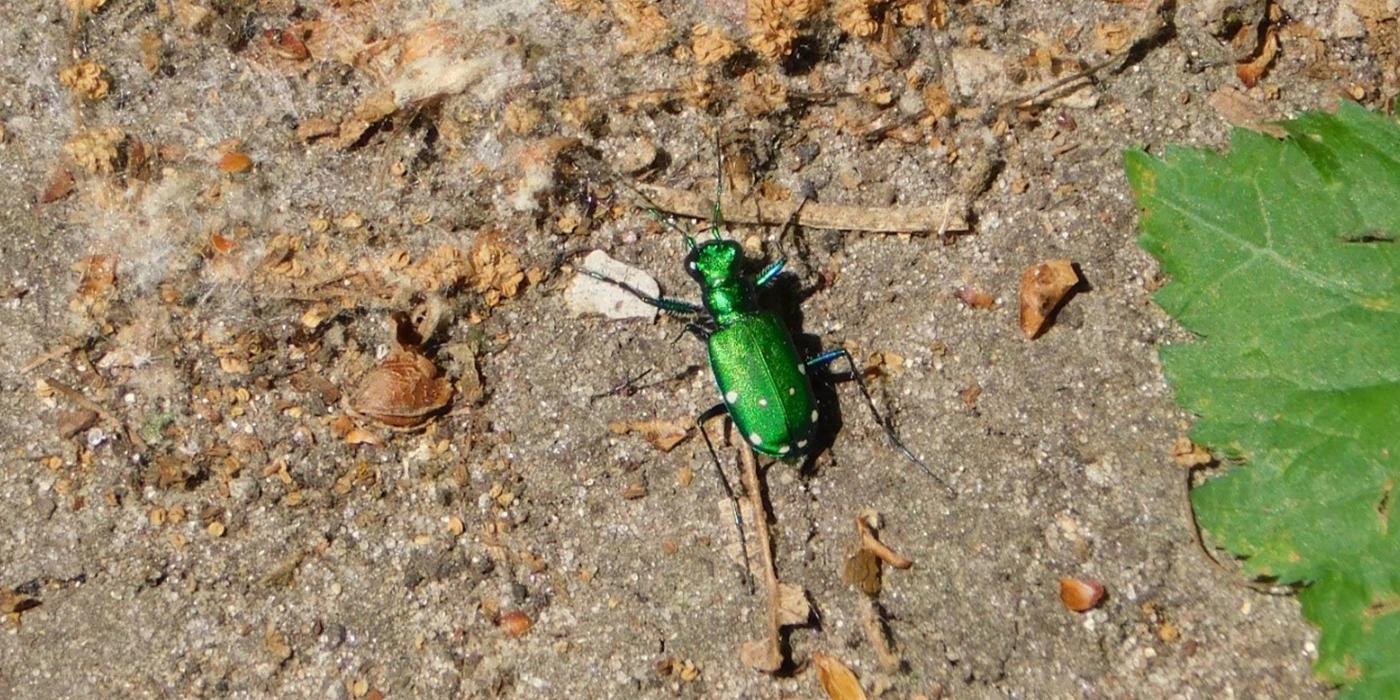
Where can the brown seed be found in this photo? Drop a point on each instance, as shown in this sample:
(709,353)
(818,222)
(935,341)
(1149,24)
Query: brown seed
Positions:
(235,162)
(1079,594)
(974,298)
(403,391)
(514,623)
(286,44)
(1043,287)
(839,682)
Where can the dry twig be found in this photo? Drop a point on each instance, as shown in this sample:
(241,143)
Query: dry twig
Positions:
(932,218)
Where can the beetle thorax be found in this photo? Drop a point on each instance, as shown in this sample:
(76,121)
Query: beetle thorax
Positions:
(718,266)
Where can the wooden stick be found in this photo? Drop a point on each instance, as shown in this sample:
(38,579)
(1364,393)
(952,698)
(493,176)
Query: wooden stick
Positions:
(931,218)
(772,658)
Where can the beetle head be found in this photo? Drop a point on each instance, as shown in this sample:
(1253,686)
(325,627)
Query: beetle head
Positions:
(714,262)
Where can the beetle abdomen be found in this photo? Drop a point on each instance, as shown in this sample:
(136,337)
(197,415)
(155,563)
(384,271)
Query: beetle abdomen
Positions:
(764,384)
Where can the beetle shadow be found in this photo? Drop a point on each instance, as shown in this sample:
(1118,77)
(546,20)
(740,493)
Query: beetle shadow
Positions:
(784,297)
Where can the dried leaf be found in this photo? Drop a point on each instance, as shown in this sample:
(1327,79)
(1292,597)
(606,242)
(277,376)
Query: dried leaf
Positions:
(1043,288)
(60,186)
(862,570)
(1252,70)
(1242,110)
(99,273)
(662,434)
(14,602)
(1111,37)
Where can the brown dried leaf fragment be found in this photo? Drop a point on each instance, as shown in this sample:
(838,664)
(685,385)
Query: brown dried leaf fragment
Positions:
(664,435)
(99,274)
(878,635)
(1043,288)
(1111,37)
(74,422)
(287,43)
(839,682)
(760,94)
(14,602)
(793,606)
(644,28)
(710,45)
(854,17)
(60,186)
(86,78)
(867,523)
(1241,110)
(760,655)
(862,570)
(80,7)
(1249,72)
(1188,454)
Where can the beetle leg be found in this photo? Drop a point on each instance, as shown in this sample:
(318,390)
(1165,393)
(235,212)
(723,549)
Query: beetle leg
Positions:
(675,307)
(719,409)
(701,331)
(770,272)
(827,358)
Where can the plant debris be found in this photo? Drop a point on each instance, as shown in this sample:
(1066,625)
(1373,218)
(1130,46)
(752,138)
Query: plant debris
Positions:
(935,218)
(404,390)
(837,679)
(1044,287)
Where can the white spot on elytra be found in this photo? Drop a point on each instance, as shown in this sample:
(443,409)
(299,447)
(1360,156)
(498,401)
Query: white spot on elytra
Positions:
(784,450)
(763,402)
(814,415)
(732,396)
(792,391)
(802,368)
(755,439)
(801,444)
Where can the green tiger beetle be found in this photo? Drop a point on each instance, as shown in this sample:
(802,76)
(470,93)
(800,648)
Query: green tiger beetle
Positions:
(756,365)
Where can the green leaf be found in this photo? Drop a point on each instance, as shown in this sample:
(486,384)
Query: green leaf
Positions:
(1282,258)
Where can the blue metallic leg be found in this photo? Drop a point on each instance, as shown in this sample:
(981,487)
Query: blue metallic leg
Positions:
(830,356)
(770,272)
(675,307)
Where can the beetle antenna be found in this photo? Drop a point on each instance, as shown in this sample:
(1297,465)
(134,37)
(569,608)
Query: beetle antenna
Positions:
(655,210)
(717,217)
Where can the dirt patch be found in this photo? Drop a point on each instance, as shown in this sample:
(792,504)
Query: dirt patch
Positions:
(212,209)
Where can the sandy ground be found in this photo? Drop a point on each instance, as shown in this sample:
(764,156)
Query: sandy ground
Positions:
(207,229)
